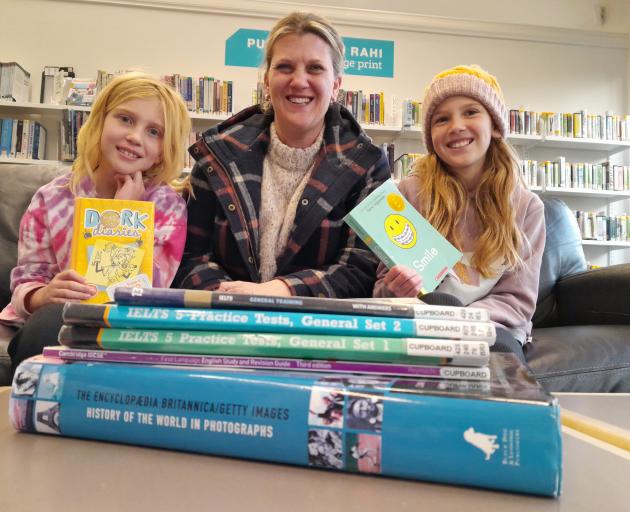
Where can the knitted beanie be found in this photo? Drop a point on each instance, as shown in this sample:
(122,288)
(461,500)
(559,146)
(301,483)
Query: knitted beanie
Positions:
(471,81)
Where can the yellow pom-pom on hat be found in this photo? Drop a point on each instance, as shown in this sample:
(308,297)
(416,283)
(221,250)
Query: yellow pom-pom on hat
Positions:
(472,81)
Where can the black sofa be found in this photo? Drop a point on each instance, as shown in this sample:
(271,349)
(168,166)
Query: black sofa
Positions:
(581,326)
(581,335)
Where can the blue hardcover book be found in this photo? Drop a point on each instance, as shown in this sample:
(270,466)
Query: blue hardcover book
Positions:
(502,434)
(145,317)
(6,130)
(396,232)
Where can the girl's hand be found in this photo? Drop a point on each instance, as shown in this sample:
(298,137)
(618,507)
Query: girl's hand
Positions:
(402,281)
(67,286)
(274,287)
(130,186)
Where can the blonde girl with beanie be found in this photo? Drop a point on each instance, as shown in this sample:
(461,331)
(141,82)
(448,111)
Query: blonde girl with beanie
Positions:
(468,186)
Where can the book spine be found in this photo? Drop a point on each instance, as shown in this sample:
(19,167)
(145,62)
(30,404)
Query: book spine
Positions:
(26,131)
(178,298)
(369,241)
(6,131)
(18,144)
(272,321)
(14,138)
(36,130)
(334,422)
(358,348)
(426,368)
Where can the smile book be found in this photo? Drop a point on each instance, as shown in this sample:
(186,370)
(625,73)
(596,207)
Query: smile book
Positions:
(396,232)
(112,244)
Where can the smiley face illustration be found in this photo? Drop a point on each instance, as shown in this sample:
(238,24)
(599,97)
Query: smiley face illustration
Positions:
(395,202)
(400,231)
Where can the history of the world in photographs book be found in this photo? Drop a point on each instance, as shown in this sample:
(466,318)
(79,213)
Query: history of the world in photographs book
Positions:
(502,434)
(399,235)
(112,244)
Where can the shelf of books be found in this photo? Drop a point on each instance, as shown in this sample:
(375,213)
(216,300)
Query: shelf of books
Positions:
(539,141)
(589,176)
(28,161)
(577,192)
(610,146)
(43,109)
(607,243)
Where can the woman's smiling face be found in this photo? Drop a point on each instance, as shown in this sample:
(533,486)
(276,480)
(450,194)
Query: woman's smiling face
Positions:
(301,83)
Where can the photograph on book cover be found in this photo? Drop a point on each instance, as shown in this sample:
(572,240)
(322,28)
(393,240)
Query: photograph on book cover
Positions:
(363,453)
(353,416)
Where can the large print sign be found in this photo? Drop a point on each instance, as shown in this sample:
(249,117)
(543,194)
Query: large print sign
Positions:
(367,57)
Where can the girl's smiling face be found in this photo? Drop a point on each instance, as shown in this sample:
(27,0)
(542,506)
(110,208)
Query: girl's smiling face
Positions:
(461,131)
(132,138)
(301,83)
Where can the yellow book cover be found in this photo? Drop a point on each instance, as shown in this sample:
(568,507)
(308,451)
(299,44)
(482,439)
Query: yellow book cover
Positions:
(381,113)
(112,244)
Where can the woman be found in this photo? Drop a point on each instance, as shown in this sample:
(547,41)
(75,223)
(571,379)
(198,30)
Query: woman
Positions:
(272,184)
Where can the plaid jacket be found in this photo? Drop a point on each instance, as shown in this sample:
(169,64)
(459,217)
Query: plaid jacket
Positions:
(322,257)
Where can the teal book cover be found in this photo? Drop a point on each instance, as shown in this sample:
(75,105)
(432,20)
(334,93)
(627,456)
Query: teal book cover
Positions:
(399,235)
(502,433)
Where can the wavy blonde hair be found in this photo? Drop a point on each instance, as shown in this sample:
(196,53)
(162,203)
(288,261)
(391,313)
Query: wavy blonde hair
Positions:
(444,200)
(121,89)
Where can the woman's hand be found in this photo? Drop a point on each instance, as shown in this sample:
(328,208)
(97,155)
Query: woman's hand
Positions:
(274,287)
(67,286)
(130,186)
(402,281)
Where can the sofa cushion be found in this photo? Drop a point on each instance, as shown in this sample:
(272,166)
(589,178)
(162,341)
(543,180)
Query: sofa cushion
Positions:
(17,186)
(584,358)
(563,256)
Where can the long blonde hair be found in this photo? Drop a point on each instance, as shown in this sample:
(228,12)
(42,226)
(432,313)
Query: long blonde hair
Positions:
(121,89)
(444,200)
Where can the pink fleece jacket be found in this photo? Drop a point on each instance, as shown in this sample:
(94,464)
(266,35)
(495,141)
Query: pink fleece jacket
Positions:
(46,233)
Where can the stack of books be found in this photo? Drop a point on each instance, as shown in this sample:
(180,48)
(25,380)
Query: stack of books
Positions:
(404,390)
(15,83)
(165,326)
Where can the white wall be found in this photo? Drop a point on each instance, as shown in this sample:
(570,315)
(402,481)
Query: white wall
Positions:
(91,36)
(579,14)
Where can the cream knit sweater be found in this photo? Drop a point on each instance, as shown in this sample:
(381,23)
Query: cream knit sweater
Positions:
(286,171)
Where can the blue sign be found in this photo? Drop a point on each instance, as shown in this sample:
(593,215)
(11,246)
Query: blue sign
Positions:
(367,57)
(245,47)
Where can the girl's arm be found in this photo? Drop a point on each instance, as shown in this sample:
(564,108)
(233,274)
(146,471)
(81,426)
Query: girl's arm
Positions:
(169,234)
(41,246)
(512,301)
